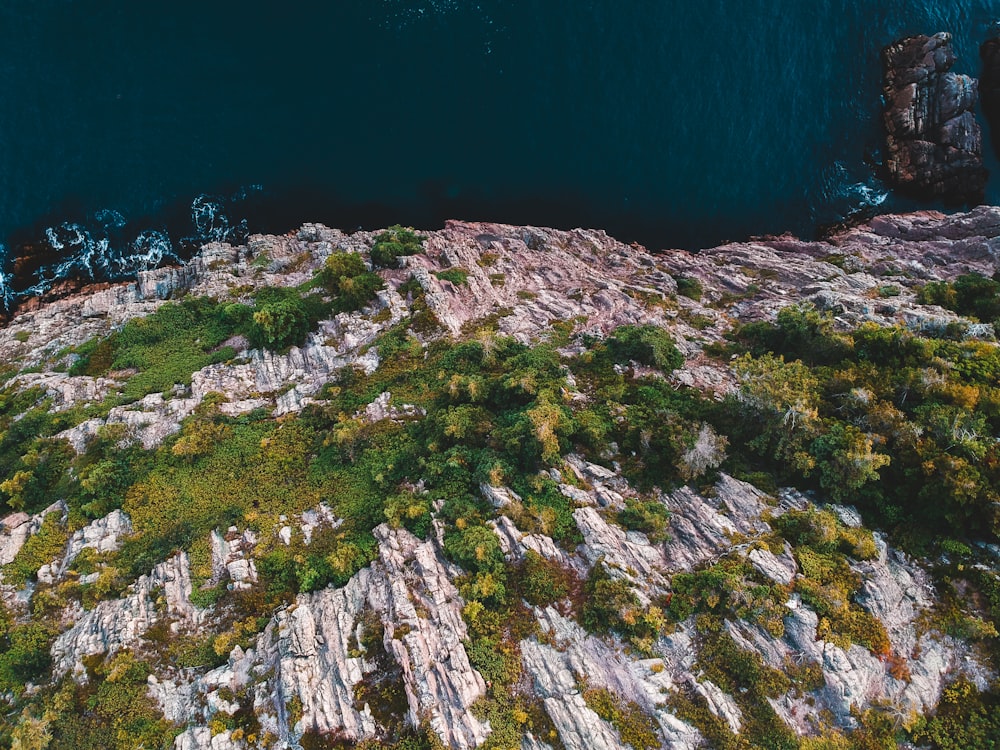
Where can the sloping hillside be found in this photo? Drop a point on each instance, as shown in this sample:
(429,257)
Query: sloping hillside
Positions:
(510,487)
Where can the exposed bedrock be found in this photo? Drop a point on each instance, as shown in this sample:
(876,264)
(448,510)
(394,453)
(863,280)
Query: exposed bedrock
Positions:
(934,141)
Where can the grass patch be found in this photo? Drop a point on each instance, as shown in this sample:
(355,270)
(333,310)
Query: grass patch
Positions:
(457,276)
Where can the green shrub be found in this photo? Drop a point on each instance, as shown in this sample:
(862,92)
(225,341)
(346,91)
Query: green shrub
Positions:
(647,345)
(457,276)
(346,278)
(39,475)
(649,516)
(340,266)
(24,655)
(688,286)
(971,294)
(964,718)
(475,548)
(542,582)
(635,726)
(611,604)
(395,242)
(280,324)
(411,511)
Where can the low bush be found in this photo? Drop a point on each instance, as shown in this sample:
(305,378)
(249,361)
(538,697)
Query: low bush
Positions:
(634,725)
(457,276)
(647,345)
(688,286)
(395,242)
(346,278)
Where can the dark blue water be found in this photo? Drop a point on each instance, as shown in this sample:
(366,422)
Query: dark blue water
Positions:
(676,123)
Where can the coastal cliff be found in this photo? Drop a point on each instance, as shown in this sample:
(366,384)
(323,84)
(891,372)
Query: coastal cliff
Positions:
(511,487)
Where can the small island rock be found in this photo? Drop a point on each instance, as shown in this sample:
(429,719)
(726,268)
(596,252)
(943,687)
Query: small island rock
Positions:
(934,141)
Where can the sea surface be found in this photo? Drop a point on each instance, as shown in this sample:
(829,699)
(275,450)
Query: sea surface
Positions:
(131,131)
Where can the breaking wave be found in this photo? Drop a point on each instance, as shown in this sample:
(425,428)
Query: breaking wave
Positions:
(102,247)
(845,194)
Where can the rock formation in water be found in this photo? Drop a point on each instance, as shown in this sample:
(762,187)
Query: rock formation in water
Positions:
(260,572)
(934,141)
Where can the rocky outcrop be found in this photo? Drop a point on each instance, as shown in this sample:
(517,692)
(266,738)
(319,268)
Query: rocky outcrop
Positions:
(103,535)
(701,529)
(17,527)
(232,558)
(626,554)
(934,142)
(113,625)
(312,654)
(148,421)
(326,662)
(537,276)
(570,657)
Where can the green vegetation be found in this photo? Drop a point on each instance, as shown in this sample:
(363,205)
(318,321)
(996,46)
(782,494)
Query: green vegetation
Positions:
(111,711)
(610,603)
(33,466)
(634,725)
(348,280)
(543,582)
(688,286)
(901,425)
(894,423)
(393,243)
(164,348)
(24,652)
(744,675)
(730,588)
(457,276)
(965,718)
(647,345)
(649,516)
(971,295)
(654,425)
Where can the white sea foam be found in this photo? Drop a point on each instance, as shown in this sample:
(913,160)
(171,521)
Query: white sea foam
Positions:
(6,293)
(150,249)
(843,193)
(211,224)
(90,252)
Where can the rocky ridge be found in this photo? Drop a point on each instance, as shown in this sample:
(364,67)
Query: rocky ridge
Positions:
(401,618)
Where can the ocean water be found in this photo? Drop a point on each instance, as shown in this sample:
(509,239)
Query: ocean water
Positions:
(129,132)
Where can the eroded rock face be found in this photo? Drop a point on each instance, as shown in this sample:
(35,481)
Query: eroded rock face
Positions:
(935,144)
(120,623)
(232,558)
(312,654)
(102,535)
(17,527)
(702,530)
(569,656)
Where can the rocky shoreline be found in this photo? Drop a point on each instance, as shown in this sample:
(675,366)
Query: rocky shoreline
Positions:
(301,675)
